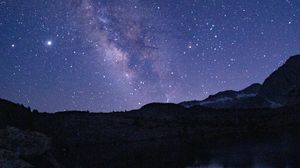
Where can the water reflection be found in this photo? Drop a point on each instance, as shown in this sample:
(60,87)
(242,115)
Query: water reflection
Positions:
(251,155)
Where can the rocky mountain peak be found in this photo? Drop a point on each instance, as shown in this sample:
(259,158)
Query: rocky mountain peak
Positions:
(279,89)
(282,81)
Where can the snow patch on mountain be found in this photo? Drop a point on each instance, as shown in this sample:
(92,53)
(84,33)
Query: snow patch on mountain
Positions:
(274,104)
(220,100)
(244,95)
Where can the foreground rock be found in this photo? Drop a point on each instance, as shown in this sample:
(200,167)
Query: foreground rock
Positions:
(22,149)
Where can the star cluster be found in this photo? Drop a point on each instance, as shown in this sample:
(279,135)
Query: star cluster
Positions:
(105,55)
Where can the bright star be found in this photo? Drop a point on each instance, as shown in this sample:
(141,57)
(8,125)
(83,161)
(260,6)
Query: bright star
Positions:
(49,43)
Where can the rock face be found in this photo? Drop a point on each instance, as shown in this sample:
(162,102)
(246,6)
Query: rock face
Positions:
(9,159)
(279,86)
(294,95)
(21,148)
(279,89)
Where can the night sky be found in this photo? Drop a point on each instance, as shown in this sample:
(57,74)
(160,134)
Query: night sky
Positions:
(105,55)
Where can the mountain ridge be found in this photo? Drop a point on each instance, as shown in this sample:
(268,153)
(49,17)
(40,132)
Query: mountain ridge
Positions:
(272,93)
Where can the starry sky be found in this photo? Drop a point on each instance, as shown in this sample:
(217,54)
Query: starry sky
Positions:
(109,55)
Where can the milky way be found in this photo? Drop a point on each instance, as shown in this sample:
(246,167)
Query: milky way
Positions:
(124,45)
(108,55)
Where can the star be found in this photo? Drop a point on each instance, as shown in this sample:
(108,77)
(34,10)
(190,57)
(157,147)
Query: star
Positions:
(49,43)
(152,51)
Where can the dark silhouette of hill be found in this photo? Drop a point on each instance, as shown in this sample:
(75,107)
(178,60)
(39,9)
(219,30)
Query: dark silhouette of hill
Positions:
(14,114)
(160,134)
(156,135)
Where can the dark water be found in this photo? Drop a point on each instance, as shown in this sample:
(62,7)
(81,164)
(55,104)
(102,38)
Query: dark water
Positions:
(280,154)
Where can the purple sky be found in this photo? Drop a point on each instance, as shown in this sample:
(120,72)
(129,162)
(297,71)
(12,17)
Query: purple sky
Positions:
(105,55)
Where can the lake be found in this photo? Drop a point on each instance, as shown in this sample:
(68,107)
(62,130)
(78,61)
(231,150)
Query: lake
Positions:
(282,153)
